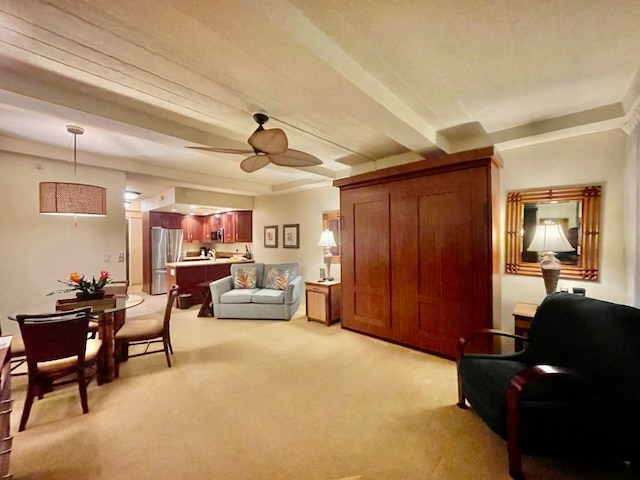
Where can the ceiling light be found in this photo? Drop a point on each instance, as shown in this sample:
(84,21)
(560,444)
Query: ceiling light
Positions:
(131,195)
(61,198)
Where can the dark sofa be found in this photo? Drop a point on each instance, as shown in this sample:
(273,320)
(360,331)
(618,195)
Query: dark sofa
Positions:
(574,390)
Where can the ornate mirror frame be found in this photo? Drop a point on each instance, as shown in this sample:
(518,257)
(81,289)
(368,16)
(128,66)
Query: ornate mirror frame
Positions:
(587,265)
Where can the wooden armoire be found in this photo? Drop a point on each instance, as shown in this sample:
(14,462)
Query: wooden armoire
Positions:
(420,250)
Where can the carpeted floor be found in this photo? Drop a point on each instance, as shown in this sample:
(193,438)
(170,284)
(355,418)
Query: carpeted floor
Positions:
(270,400)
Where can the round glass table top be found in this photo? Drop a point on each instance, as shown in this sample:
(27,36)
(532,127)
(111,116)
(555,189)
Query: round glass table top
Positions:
(106,305)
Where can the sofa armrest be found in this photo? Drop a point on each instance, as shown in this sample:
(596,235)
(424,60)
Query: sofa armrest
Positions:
(294,290)
(220,286)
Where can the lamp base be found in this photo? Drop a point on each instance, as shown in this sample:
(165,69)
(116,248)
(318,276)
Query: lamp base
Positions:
(327,262)
(550,277)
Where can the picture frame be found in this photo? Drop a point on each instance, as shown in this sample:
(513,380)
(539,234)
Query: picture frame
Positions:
(291,235)
(271,236)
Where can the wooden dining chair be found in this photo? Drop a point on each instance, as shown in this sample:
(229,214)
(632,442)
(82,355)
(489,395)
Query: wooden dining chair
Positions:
(117,287)
(146,331)
(56,348)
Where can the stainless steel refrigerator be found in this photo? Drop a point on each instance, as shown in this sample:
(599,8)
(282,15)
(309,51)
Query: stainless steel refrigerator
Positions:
(166,247)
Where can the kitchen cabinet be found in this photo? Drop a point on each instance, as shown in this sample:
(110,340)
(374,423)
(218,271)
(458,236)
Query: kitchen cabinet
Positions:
(426,272)
(192,228)
(205,228)
(165,220)
(228,223)
(238,226)
(244,226)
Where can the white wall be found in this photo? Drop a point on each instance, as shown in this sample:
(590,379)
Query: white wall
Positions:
(38,249)
(589,159)
(304,208)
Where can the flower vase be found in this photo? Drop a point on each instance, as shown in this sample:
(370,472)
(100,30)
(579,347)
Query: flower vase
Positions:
(90,296)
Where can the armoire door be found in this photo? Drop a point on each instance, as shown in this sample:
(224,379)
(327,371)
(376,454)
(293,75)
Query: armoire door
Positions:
(365,260)
(441,245)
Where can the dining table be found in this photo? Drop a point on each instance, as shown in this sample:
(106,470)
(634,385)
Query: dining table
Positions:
(104,312)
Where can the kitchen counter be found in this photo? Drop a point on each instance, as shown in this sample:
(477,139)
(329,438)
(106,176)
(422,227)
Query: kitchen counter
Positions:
(200,262)
(188,275)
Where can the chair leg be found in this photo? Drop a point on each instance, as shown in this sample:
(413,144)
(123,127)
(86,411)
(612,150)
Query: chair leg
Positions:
(26,410)
(169,341)
(461,400)
(167,346)
(82,385)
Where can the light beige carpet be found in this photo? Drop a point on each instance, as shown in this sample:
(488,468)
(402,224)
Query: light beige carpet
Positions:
(270,400)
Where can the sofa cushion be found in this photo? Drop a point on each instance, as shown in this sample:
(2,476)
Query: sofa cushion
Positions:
(245,277)
(268,296)
(277,278)
(259,271)
(292,267)
(238,295)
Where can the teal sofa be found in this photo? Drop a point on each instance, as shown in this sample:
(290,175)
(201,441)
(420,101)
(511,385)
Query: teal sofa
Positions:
(258,291)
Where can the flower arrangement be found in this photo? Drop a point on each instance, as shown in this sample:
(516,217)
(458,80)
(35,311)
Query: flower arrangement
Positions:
(82,284)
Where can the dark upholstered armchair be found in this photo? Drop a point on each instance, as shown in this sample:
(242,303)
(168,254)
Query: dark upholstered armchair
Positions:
(574,390)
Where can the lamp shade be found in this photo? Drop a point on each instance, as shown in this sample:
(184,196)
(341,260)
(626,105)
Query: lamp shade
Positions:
(550,238)
(327,240)
(58,198)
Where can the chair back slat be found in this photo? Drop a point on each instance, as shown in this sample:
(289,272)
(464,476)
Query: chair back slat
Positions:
(55,335)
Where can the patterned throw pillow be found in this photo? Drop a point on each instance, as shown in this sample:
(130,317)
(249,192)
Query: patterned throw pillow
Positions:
(277,279)
(244,278)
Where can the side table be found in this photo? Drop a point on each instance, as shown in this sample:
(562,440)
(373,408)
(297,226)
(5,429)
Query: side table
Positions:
(206,309)
(323,301)
(523,313)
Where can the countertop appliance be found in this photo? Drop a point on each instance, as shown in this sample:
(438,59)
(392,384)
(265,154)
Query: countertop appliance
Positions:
(166,247)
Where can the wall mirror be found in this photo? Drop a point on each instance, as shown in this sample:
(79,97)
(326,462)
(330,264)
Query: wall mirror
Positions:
(331,221)
(576,209)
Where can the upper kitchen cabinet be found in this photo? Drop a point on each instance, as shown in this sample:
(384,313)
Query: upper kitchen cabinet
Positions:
(244,226)
(191,228)
(165,220)
(237,226)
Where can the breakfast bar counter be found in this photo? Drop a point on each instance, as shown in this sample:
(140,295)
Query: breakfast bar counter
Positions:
(189,274)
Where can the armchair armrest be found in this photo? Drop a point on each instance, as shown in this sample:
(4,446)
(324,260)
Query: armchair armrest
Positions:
(514,396)
(462,344)
(220,286)
(463,341)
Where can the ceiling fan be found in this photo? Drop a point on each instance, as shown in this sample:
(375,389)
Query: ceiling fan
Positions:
(268,146)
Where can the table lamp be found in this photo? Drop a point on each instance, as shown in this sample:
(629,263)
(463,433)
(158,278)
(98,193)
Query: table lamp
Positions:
(550,238)
(327,241)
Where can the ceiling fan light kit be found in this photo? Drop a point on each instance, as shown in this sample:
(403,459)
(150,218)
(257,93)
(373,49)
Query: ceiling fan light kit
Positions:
(269,146)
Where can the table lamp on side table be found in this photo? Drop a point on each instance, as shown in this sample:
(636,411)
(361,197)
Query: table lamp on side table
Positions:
(327,241)
(550,238)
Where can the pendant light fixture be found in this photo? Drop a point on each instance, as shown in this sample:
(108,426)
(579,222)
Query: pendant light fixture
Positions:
(61,198)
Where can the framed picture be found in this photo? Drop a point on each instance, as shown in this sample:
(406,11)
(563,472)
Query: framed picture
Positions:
(291,236)
(271,236)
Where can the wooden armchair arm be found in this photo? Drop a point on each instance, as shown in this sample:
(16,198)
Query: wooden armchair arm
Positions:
(514,397)
(463,341)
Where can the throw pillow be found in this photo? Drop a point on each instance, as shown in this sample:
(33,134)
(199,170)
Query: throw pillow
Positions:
(277,279)
(244,278)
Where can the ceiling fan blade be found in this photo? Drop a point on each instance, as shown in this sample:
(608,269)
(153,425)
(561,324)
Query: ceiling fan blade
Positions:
(272,140)
(253,163)
(294,158)
(222,150)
